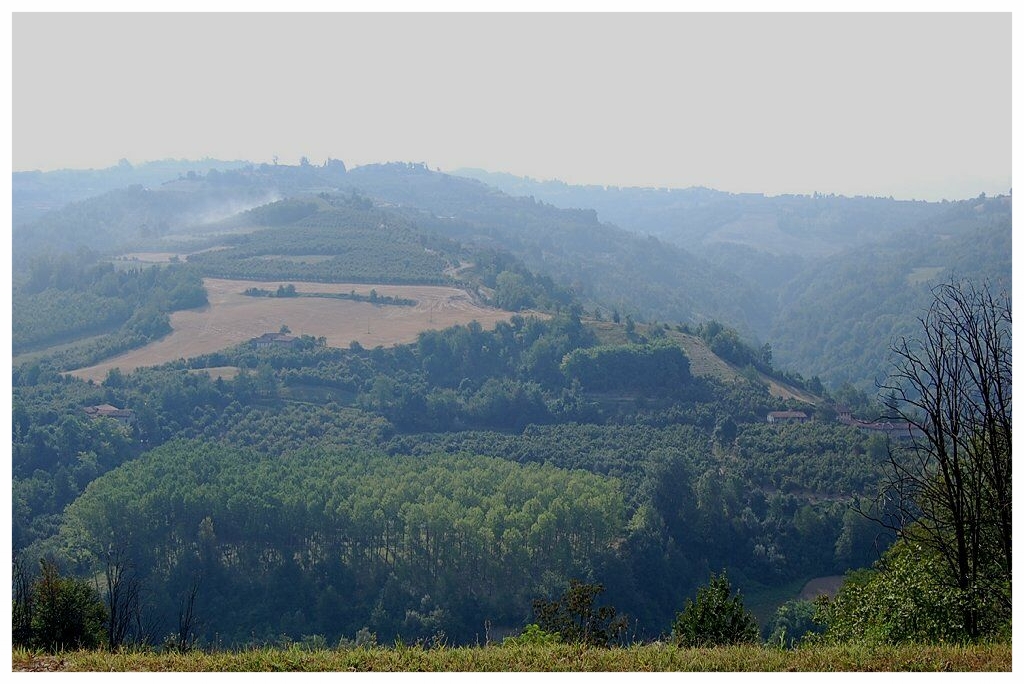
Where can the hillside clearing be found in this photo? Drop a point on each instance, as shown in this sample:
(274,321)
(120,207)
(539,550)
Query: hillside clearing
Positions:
(703,362)
(231,318)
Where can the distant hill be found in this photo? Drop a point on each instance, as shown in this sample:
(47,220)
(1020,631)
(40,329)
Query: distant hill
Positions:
(838,316)
(826,280)
(837,277)
(36,192)
(604,264)
(701,218)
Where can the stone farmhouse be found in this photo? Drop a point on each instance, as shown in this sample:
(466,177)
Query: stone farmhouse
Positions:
(275,340)
(123,416)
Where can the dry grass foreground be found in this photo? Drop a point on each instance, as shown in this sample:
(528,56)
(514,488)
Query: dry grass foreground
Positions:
(231,317)
(561,658)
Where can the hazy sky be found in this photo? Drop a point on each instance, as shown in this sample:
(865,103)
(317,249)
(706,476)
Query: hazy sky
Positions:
(909,105)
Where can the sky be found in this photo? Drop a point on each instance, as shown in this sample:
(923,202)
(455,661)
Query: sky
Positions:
(915,106)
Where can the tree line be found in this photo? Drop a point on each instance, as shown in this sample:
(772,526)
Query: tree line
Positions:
(338,541)
(696,468)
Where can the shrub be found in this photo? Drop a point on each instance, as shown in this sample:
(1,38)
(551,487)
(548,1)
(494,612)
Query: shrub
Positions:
(575,619)
(717,618)
(532,635)
(792,622)
(66,613)
(906,598)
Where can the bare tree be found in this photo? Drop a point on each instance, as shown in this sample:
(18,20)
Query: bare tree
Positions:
(122,597)
(21,590)
(950,490)
(146,626)
(187,623)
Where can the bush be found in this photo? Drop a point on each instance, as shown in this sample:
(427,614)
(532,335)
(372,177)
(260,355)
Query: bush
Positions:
(907,598)
(532,635)
(64,613)
(574,618)
(716,619)
(793,621)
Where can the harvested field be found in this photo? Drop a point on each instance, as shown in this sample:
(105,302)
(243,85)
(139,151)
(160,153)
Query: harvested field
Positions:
(232,317)
(151,258)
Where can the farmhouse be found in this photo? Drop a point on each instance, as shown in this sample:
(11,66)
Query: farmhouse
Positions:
(275,340)
(787,417)
(123,416)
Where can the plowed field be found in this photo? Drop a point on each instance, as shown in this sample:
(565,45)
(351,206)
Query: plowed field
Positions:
(232,317)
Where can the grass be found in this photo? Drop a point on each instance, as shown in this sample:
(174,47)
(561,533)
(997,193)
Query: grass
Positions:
(226,372)
(558,658)
(763,600)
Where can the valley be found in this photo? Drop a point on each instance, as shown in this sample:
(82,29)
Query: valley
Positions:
(479,400)
(511,341)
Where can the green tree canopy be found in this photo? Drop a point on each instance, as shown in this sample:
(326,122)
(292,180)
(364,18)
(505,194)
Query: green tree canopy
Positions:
(716,618)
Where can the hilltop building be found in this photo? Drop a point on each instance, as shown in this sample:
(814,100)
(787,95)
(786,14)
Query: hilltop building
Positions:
(275,340)
(123,416)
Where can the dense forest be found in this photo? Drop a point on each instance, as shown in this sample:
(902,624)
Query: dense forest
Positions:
(683,462)
(612,433)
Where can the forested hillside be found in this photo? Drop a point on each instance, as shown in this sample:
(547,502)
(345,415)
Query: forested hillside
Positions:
(677,457)
(814,276)
(702,218)
(76,310)
(129,217)
(838,317)
(613,430)
(604,265)
(838,277)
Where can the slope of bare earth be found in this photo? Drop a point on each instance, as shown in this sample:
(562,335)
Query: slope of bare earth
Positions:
(232,317)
